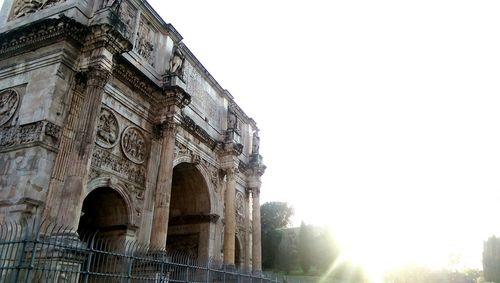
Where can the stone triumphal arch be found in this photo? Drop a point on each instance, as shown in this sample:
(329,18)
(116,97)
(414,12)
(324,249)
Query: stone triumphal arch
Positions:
(110,125)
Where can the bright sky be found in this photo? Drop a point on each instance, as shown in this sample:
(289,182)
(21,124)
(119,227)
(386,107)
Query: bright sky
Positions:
(380,119)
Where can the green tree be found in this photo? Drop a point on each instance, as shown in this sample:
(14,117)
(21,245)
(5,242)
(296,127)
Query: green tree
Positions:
(274,216)
(491,259)
(305,247)
(325,250)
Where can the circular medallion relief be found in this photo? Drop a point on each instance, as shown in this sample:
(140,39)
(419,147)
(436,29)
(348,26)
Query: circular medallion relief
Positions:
(108,129)
(9,100)
(134,144)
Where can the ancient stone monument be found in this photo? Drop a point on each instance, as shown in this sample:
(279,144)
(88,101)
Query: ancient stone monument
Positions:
(109,123)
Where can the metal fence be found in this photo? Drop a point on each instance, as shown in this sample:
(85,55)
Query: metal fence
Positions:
(30,253)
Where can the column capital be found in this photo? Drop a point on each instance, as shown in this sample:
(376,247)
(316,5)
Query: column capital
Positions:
(168,107)
(98,76)
(166,128)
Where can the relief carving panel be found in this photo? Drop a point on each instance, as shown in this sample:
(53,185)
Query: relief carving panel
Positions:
(128,14)
(104,159)
(108,129)
(144,45)
(41,131)
(134,145)
(9,101)
(25,7)
(240,209)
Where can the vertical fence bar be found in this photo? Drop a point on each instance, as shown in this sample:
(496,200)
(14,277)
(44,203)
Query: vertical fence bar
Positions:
(54,257)
(90,251)
(21,257)
(33,252)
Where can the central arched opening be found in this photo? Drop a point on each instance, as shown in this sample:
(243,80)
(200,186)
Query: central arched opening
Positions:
(104,215)
(189,217)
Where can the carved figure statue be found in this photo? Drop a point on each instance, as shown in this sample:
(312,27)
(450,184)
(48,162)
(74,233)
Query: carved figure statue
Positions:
(111,3)
(255,143)
(176,65)
(232,120)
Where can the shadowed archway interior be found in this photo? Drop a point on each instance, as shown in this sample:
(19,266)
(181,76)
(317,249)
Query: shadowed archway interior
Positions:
(104,212)
(189,211)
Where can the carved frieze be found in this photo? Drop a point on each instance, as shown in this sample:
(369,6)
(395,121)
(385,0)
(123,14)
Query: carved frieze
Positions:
(41,131)
(25,7)
(9,101)
(108,129)
(127,14)
(107,161)
(144,44)
(134,144)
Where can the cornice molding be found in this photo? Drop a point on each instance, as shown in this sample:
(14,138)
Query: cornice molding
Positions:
(42,33)
(134,78)
(190,125)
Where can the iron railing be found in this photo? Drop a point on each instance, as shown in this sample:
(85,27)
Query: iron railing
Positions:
(30,253)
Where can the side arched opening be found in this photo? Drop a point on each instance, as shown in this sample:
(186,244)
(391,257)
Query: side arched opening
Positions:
(189,218)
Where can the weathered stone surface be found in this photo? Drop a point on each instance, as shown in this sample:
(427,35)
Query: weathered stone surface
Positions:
(109,123)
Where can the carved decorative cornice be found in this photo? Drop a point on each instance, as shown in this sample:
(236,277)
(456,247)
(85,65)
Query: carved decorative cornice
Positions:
(41,33)
(256,167)
(127,73)
(105,35)
(189,125)
(233,148)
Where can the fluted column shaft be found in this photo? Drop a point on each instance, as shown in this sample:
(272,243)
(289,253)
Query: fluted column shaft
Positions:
(230,218)
(163,187)
(256,236)
(81,152)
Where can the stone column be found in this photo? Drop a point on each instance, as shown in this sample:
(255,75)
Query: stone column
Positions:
(256,236)
(230,217)
(229,163)
(163,187)
(248,243)
(74,186)
(169,116)
(255,171)
(69,177)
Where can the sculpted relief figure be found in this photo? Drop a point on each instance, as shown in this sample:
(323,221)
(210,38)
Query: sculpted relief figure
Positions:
(176,65)
(255,143)
(239,209)
(134,145)
(232,120)
(143,44)
(9,100)
(24,7)
(107,129)
(111,3)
